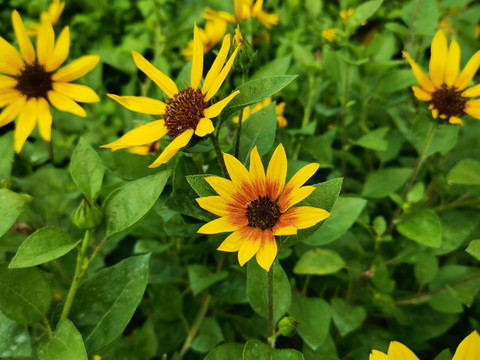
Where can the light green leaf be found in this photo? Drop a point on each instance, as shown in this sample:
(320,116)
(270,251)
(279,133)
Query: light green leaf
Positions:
(209,335)
(344,213)
(201,277)
(42,246)
(67,343)
(26,294)
(11,206)
(14,339)
(279,66)
(466,172)
(257,350)
(126,206)
(6,149)
(87,170)
(105,302)
(474,249)
(319,262)
(345,317)
(257,284)
(423,227)
(200,185)
(423,16)
(228,351)
(384,182)
(313,316)
(363,12)
(374,140)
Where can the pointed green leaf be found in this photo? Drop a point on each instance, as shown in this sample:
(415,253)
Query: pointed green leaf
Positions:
(67,343)
(200,185)
(319,262)
(11,206)
(423,227)
(384,182)
(201,277)
(466,172)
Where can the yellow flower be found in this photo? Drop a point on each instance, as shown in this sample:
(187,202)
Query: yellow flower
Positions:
(245,9)
(211,14)
(52,15)
(32,82)
(329,34)
(187,111)
(256,206)
(445,90)
(282,122)
(345,14)
(214,32)
(238,37)
(469,349)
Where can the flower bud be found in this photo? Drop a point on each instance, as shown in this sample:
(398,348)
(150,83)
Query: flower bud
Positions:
(287,326)
(87,216)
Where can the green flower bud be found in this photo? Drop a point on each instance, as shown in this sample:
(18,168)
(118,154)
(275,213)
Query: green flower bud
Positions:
(287,326)
(87,216)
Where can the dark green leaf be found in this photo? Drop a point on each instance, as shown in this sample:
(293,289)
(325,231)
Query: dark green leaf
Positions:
(257,350)
(346,317)
(14,339)
(209,335)
(67,343)
(466,172)
(11,206)
(167,301)
(201,277)
(319,262)
(363,12)
(424,227)
(200,185)
(384,182)
(374,140)
(228,351)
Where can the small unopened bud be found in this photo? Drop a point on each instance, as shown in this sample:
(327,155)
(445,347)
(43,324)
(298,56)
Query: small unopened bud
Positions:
(287,326)
(87,216)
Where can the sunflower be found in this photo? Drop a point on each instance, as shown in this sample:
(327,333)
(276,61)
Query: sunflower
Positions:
(256,207)
(32,82)
(52,15)
(468,349)
(187,111)
(245,9)
(213,33)
(446,89)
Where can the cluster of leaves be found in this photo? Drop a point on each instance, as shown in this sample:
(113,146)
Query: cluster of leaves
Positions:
(398,258)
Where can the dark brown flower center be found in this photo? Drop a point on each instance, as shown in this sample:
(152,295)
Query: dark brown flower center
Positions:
(448,101)
(34,81)
(263,213)
(184,111)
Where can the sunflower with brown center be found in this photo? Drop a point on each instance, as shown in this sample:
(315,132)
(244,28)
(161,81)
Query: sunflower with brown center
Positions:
(257,206)
(446,89)
(32,82)
(187,111)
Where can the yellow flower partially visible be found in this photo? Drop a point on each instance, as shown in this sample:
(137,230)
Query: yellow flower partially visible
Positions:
(279,108)
(187,112)
(446,90)
(52,15)
(329,34)
(238,37)
(345,14)
(32,81)
(469,349)
(256,206)
(211,14)
(212,34)
(245,9)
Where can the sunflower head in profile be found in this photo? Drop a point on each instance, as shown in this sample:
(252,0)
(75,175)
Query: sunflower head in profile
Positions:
(186,112)
(32,81)
(446,89)
(255,206)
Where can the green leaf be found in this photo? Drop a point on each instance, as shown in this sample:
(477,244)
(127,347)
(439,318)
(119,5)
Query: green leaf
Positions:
(423,16)
(11,206)
(126,206)
(466,172)
(258,130)
(474,249)
(425,269)
(200,185)
(167,301)
(201,277)
(313,316)
(257,285)
(255,91)
(319,262)
(345,317)
(42,246)
(87,170)
(374,140)
(6,149)
(344,213)
(105,302)
(67,343)
(279,66)
(423,227)
(228,351)
(26,294)
(209,335)
(257,350)
(14,338)
(382,183)
(362,13)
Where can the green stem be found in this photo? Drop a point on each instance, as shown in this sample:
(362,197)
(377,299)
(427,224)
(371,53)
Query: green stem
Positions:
(219,154)
(343,119)
(271,325)
(239,132)
(196,326)
(79,272)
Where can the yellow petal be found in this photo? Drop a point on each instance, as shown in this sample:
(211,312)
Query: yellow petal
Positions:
(45,43)
(12,110)
(471,108)
(7,82)
(144,134)
(163,81)
(217,108)
(294,197)
(64,103)
(281,229)
(25,124)
(473,91)
(303,217)
(267,252)
(77,92)
(60,51)
(219,225)
(468,72)
(141,104)
(232,243)
(215,204)
(469,348)
(438,58)
(397,350)
(44,119)
(250,245)
(434,113)
(422,79)
(421,94)
(455,120)
(204,127)
(197,61)
(7,96)
(179,142)
(453,63)
(11,62)
(217,65)
(222,187)
(76,69)
(238,173)
(218,81)
(377,355)
(257,172)
(276,172)
(24,43)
